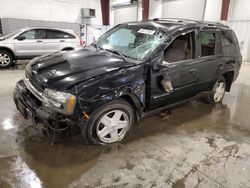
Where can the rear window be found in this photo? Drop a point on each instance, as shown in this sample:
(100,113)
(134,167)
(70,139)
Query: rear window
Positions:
(230,43)
(67,36)
(55,34)
(207,43)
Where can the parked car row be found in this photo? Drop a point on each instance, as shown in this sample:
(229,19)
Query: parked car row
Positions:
(30,42)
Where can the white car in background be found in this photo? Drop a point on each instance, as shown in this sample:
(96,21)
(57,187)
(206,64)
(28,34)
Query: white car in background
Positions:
(30,42)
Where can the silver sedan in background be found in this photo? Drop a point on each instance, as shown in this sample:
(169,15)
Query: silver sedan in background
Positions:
(30,42)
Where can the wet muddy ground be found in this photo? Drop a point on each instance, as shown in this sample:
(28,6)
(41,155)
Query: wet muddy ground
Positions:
(200,145)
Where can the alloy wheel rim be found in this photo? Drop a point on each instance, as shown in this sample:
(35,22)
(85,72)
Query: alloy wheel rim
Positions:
(4,59)
(113,126)
(219,91)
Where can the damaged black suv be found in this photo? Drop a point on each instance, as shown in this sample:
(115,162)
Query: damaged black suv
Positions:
(133,70)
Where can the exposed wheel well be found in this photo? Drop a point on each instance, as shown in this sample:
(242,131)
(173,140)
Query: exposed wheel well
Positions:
(10,51)
(229,76)
(67,49)
(135,103)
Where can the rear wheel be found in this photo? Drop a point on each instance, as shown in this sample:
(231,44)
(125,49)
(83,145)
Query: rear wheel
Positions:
(110,123)
(217,93)
(6,59)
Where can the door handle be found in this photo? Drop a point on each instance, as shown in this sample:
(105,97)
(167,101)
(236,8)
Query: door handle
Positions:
(192,70)
(220,65)
(39,41)
(62,40)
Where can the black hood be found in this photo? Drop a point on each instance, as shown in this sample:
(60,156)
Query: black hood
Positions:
(64,69)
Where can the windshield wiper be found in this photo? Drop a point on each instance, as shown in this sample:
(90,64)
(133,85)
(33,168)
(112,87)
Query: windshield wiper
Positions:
(95,45)
(118,53)
(112,51)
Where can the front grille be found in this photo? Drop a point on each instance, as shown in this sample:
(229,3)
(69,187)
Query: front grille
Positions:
(36,85)
(27,98)
(36,93)
(36,100)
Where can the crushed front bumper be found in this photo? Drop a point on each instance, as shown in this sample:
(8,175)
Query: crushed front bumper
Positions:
(31,107)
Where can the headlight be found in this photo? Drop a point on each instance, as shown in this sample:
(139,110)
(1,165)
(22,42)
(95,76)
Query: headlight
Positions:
(60,101)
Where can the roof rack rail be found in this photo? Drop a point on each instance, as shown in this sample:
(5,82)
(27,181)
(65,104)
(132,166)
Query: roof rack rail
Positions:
(211,24)
(215,24)
(173,19)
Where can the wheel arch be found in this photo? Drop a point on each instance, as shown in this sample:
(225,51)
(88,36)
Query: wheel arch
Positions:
(135,102)
(125,95)
(10,51)
(67,49)
(229,77)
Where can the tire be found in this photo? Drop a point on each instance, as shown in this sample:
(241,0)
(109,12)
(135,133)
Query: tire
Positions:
(6,59)
(110,123)
(217,93)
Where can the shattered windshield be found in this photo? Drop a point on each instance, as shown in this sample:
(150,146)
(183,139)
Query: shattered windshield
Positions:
(132,41)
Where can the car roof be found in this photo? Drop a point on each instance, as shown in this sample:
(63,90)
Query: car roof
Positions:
(43,27)
(171,25)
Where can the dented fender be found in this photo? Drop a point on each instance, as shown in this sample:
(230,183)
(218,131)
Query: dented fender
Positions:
(134,95)
(127,83)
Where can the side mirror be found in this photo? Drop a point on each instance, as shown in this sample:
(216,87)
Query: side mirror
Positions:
(165,64)
(157,60)
(20,37)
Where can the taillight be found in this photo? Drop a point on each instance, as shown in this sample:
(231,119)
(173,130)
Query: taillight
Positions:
(81,42)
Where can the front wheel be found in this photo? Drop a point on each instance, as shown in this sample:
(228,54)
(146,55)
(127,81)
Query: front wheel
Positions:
(217,93)
(110,123)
